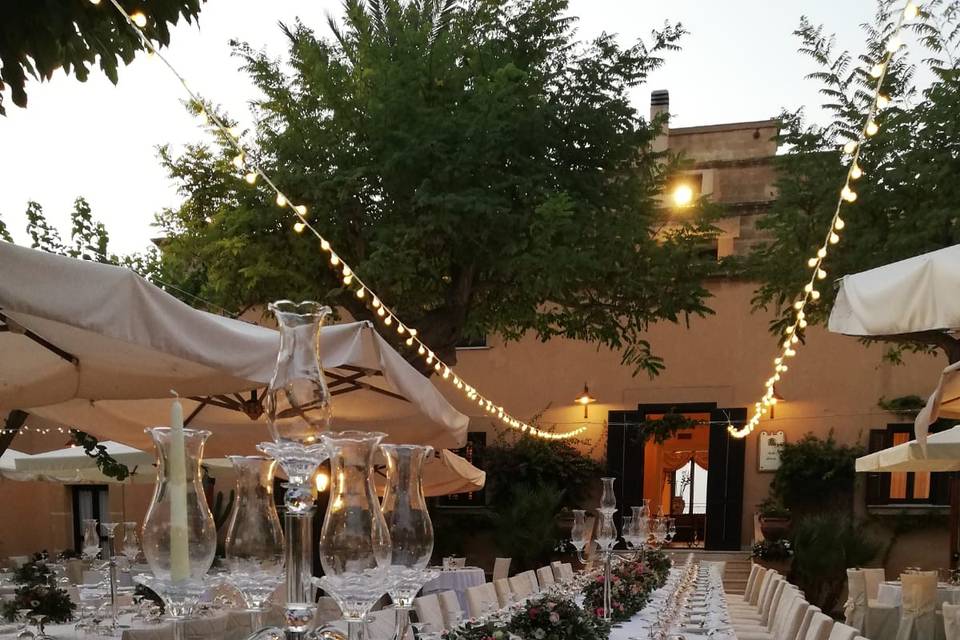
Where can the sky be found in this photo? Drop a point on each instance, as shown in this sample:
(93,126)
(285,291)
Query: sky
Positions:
(99,141)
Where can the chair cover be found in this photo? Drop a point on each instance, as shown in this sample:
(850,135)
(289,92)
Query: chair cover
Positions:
(428,610)
(951,621)
(534,583)
(917,616)
(504,593)
(777,614)
(873,578)
(842,631)
(451,609)
(757,587)
(545,576)
(566,571)
(805,623)
(855,609)
(479,601)
(501,568)
(520,585)
(555,567)
(883,621)
(820,627)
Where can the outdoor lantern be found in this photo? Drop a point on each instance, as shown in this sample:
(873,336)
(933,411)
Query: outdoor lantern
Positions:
(682,195)
(585,399)
(777,398)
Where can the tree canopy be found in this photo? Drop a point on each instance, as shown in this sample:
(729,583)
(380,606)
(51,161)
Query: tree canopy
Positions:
(907,197)
(481,168)
(37,37)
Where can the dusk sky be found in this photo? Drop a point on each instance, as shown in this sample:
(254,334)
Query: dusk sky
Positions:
(96,140)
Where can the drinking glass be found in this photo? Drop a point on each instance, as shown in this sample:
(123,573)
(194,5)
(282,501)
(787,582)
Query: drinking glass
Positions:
(131,546)
(579,533)
(91,539)
(606,531)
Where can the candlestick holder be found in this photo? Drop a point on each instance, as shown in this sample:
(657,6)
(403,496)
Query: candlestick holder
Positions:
(109,532)
(180,598)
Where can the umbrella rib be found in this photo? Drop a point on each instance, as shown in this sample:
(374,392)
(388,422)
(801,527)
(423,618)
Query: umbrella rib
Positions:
(14,327)
(193,414)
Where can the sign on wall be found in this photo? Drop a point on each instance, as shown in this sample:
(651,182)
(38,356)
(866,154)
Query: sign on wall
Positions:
(769,445)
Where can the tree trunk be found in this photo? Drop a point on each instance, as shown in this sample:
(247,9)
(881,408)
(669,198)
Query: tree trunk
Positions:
(15,420)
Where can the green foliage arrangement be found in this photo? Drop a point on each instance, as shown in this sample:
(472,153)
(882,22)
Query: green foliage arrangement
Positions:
(816,474)
(449,152)
(38,38)
(902,404)
(824,545)
(773,550)
(105,462)
(772,507)
(525,527)
(906,202)
(662,429)
(630,586)
(38,592)
(548,617)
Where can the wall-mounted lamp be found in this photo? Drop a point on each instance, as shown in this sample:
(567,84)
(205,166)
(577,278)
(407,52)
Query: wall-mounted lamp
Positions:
(775,400)
(585,399)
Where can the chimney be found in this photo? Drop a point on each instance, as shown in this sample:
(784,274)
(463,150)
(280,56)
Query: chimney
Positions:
(660,107)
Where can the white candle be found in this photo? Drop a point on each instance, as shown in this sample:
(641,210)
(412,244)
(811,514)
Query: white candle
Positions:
(177,484)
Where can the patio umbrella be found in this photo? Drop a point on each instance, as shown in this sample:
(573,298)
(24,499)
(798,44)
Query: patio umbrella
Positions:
(98,347)
(912,296)
(8,467)
(71,465)
(942,454)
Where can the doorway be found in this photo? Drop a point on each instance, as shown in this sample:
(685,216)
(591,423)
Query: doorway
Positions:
(89,502)
(695,474)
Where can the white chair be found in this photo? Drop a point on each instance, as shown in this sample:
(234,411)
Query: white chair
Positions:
(781,614)
(855,609)
(501,568)
(757,596)
(481,600)
(532,577)
(504,593)
(556,566)
(873,578)
(951,621)
(520,586)
(545,577)
(429,611)
(566,571)
(841,631)
(917,614)
(760,615)
(805,623)
(751,596)
(450,608)
(382,625)
(820,627)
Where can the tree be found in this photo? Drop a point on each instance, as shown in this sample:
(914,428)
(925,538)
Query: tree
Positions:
(482,170)
(37,38)
(906,202)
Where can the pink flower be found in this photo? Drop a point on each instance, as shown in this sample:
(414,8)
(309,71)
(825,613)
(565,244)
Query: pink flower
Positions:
(599,578)
(599,611)
(555,618)
(533,612)
(551,606)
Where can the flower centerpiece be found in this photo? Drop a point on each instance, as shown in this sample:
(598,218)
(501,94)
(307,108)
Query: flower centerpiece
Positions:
(39,593)
(630,586)
(549,617)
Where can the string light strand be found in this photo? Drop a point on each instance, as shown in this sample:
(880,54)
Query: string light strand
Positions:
(847,196)
(252,174)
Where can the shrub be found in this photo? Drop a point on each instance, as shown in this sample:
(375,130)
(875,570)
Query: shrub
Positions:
(816,474)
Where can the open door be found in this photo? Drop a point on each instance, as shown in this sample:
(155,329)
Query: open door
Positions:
(725,482)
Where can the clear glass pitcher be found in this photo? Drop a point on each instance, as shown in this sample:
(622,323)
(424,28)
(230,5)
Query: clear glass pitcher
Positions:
(355,549)
(298,401)
(179,534)
(254,541)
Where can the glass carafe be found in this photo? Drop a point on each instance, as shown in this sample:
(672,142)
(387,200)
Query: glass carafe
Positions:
(579,533)
(355,549)
(606,531)
(91,539)
(179,540)
(608,500)
(254,541)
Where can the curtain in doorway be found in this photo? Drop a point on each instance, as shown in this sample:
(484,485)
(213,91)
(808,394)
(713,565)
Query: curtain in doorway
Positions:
(673,460)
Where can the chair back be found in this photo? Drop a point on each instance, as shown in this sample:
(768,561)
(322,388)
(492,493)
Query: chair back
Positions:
(786,604)
(790,625)
(768,579)
(501,568)
(545,577)
(842,631)
(520,585)
(504,593)
(919,592)
(754,594)
(477,604)
(429,611)
(532,577)
(755,569)
(820,626)
(872,579)
(556,566)
(566,571)
(805,623)
(951,621)
(450,608)
(766,603)
(855,609)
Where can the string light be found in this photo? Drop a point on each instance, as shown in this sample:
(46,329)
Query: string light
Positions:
(350,278)
(847,196)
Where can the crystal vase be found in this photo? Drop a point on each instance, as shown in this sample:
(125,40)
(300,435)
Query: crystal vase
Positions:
(355,549)
(579,533)
(408,521)
(608,499)
(91,539)
(298,410)
(254,541)
(179,541)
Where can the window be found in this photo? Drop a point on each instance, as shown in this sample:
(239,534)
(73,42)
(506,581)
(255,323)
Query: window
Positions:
(903,488)
(473,342)
(690,484)
(89,502)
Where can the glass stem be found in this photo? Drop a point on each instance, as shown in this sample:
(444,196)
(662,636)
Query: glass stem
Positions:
(299,563)
(356,630)
(607,556)
(403,622)
(179,628)
(113,591)
(256,620)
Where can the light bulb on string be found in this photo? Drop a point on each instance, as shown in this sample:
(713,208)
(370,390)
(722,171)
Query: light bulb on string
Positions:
(250,177)
(910,12)
(812,262)
(299,226)
(281,200)
(301,209)
(139,19)
(876,70)
(834,238)
(821,253)
(361,292)
(882,101)
(855,171)
(388,320)
(893,44)
(821,274)
(325,245)
(872,128)
(848,194)
(850,147)
(334,259)
(238,161)
(815,294)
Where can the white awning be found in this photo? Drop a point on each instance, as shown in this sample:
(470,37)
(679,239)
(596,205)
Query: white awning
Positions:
(942,454)
(98,347)
(71,459)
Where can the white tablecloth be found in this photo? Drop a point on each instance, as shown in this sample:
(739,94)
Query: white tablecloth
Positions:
(222,626)
(891,594)
(458,580)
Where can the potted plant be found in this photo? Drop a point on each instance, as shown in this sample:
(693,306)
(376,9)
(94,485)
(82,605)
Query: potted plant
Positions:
(774,519)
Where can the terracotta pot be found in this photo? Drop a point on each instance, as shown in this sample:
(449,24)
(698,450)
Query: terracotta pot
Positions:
(774,529)
(676,505)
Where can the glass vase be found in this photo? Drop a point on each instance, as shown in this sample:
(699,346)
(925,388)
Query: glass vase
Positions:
(298,410)
(179,540)
(608,499)
(579,533)
(355,549)
(91,539)
(606,531)
(408,521)
(254,540)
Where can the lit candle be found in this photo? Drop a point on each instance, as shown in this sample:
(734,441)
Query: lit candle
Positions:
(177,483)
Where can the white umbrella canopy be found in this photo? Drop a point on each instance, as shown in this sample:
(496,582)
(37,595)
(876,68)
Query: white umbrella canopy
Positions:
(73,458)
(97,347)
(8,467)
(445,473)
(942,454)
